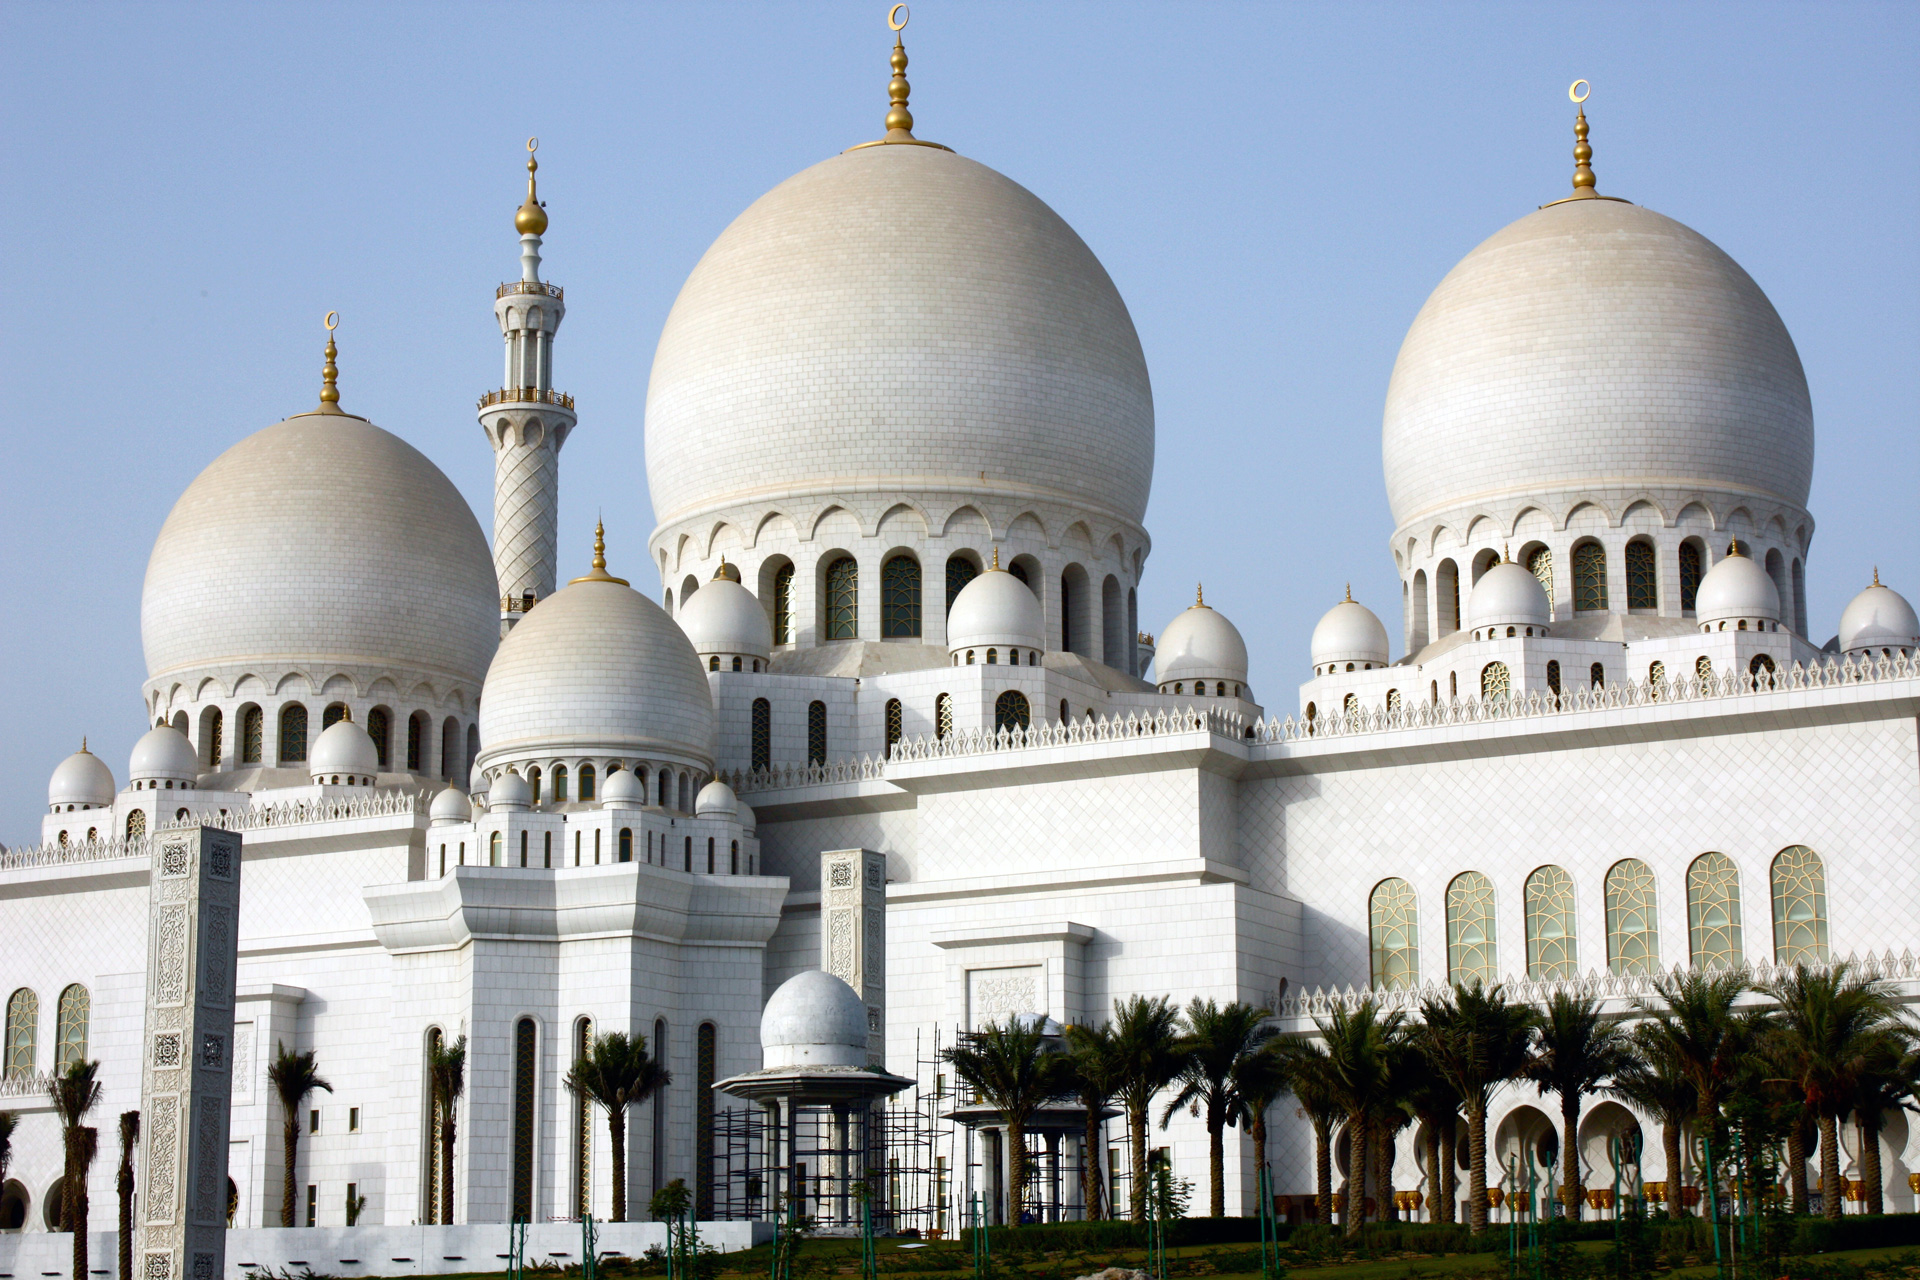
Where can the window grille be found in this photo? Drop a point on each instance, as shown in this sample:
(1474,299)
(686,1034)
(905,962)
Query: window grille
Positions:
(1690,574)
(900,598)
(943,715)
(1010,710)
(960,571)
(816,733)
(1470,930)
(893,724)
(1643,576)
(1393,928)
(379,728)
(523,1102)
(1540,565)
(1713,912)
(843,599)
(762,733)
(333,715)
(23,1032)
(783,605)
(1552,944)
(1496,683)
(1633,930)
(706,1054)
(1589,577)
(1799,907)
(293,734)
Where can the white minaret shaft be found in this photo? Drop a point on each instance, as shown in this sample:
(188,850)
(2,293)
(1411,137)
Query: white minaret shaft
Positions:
(526,422)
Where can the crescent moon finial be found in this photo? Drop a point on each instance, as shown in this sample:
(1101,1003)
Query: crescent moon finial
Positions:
(330,373)
(332,321)
(898,16)
(1583,180)
(1579,91)
(533,145)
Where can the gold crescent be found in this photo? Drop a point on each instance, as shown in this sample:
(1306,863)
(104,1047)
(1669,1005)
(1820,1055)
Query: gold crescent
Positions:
(894,21)
(533,145)
(1579,97)
(333,318)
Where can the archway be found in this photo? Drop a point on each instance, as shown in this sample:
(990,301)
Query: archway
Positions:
(50,1205)
(14,1206)
(1605,1125)
(1524,1132)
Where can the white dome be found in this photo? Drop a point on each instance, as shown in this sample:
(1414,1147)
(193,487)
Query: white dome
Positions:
(321,542)
(1349,632)
(1595,346)
(1508,596)
(476,780)
(344,750)
(163,754)
(623,790)
(596,668)
(744,815)
(724,617)
(899,316)
(814,1020)
(83,780)
(510,791)
(1201,644)
(996,608)
(1878,617)
(716,800)
(450,806)
(1736,589)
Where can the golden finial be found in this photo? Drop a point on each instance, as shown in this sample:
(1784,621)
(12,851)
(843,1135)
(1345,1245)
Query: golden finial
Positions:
(1733,547)
(728,571)
(599,571)
(1199,596)
(330,375)
(899,119)
(531,220)
(1876,582)
(83,737)
(996,559)
(1578,92)
(1349,599)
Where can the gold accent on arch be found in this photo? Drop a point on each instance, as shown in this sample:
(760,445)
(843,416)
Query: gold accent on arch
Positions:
(599,571)
(899,118)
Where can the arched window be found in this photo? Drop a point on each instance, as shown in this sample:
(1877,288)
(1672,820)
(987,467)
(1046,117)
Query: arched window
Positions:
(710,843)
(1597,676)
(210,740)
(733,859)
(1010,710)
(1470,935)
(1540,565)
(1589,577)
(23,1033)
(1446,582)
(450,749)
(762,733)
(900,598)
(1065,713)
(666,788)
(893,724)
(1691,572)
(533,782)
(293,734)
(1393,931)
(713,663)
(993,657)
(843,599)
(583,1127)
(1313,715)
(380,729)
(1643,575)
(706,1056)
(524,1058)
(686,796)
(414,735)
(1761,670)
(1495,683)
(494,843)
(1633,927)
(1393,702)
(1799,907)
(559,783)
(1349,705)
(626,844)
(1453,684)
(1552,948)
(1713,912)
(816,733)
(586,782)
(1799,597)
(1553,676)
(252,735)
(960,571)
(1656,676)
(1703,668)
(783,605)
(136,824)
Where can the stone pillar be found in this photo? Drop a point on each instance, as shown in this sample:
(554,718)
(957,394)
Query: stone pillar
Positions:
(186,1078)
(853,933)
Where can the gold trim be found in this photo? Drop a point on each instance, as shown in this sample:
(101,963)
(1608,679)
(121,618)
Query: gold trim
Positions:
(899,118)
(599,571)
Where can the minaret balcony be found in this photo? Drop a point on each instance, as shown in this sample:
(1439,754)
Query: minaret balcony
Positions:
(526,395)
(530,286)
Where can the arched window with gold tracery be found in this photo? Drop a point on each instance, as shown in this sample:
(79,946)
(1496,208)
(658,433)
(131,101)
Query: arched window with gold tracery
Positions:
(23,1033)
(1393,935)
(762,733)
(1633,928)
(783,605)
(900,598)
(1643,576)
(843,599)
(1552,944)
(960,571)
(1010,711)
(943,715)
(1713,912)
(75,1012)
(895,727)
(1799,907)
(1540,565)
(1496,683)
(816,733)
(1471,944)
(1589,577)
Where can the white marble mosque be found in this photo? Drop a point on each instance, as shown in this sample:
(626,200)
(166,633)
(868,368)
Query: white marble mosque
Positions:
(899,439)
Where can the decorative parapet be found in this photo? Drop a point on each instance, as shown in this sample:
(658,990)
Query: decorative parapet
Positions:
(541,287)
(54,854)
(1322,1002)
(526,395)
(28,1084)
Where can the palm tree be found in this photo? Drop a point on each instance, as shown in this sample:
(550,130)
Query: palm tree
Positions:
(1214,1039)
(1011,1067)
(1437,1107)
(9,1121)
(617,1072)
(1259,1079)
(447,1077)
(1095,1070)
(1310,1075)
(1143,1041)
(129,1137)
(1577,1048)
(293,1079)
(1359,1045)
(1827,1021)
(75,1092)
(1887,1078)
(1654,1081)
(1476,1040)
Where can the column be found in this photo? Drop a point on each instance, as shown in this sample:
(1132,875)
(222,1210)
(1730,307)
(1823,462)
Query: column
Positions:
(853,936)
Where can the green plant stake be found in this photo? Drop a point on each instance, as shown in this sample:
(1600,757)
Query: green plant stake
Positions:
(1713,1210)
(589,1262)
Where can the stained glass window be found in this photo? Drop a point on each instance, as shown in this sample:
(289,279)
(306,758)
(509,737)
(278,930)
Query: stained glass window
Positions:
(1690,574)
(1470,932)
(1540,565)
(783,605)
(1495,683)
(380,729)
(1643,576)
(523,1064)
(1393,931)
(1010,710)
(960,571)
(843,599)
(1552,947)
(1589,577)
(943,715)
(1633,930)
(762,733)
(1799,907)
(293,734)
(893,724)
(23,1031)
(1713,912)
(213,742)
(705,1064)
(70,1044)
(900,598)
(816,733)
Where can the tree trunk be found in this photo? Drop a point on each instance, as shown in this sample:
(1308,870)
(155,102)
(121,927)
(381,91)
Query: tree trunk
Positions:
(1137,1135)
(617,1134)
(446,1166)
(1356,1171)
(1323,1172)
(1383,1172)
(1670,1148)
(1257,1130)
(1090,1162)
(1216,1161)
(1017,1170)
(290,1152)
(124,1185)
(1477,1167)
(1831,1192)
(1450,1170)
(1572,1184)
(1870,1161)
(1797,1166)
(84,1145)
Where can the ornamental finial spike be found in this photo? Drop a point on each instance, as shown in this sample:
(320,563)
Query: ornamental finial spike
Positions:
(599,571)
(531,218)
(899,119)
(330,373)
(996,559)
(1199,596)
(1876,582)
(1349,599)
(1583,187)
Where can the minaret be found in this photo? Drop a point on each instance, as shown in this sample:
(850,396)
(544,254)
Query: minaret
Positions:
(526,421)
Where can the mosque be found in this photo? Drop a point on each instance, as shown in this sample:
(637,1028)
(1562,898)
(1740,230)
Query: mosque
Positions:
(889,710)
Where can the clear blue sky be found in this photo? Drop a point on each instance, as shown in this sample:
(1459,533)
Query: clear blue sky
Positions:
(1275,189)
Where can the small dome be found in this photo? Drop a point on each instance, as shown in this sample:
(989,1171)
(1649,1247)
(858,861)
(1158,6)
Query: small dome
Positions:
(814,1020)
(724,617)
(163,754)
(1201,644)
(82,780)
(510,791)
(716,800)
(345,751)
(1349,632)
(1736,589)
(623,790)
(997,609)
(1877,618)
(476,780)
(1507,596)
(744,815)
(450,806)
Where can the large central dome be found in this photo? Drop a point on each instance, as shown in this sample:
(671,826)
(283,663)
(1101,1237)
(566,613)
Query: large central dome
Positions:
(899,317)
